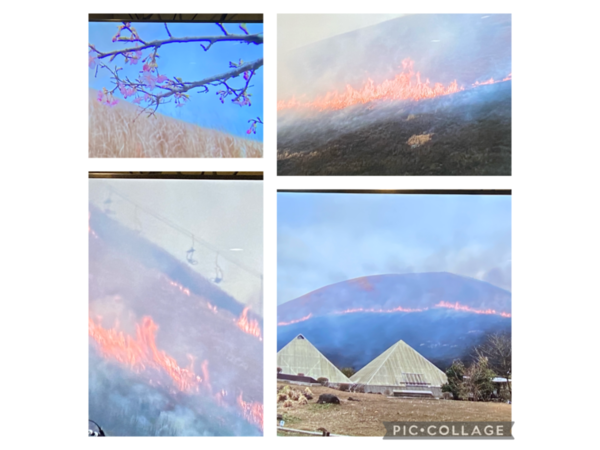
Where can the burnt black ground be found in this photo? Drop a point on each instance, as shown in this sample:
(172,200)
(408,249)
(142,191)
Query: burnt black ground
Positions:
(470,137)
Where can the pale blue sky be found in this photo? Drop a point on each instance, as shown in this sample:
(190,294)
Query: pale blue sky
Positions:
(191,63)
(327,238)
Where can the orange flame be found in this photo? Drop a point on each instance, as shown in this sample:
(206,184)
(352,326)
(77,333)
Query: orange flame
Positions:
(492,81)
(407,85)
(302,319)
(249,326)
(140,353)
(186,291)
(455,306)
(252,411)
(212,307)
(458,307)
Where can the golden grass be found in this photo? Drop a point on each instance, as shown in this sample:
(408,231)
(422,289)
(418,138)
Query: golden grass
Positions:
(365,417)
(419,139)
(115,134)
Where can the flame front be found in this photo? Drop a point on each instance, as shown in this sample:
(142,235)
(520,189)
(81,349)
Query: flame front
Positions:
(301,319)
(458,307)
(407,85)
(140,353)
(249,326)
(182,289)
(252,411)
(442,304)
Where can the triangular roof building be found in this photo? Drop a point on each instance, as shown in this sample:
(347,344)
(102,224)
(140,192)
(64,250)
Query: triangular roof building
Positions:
(300,357)
(400,365)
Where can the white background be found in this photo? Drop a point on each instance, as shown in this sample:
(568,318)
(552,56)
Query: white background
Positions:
(44,213)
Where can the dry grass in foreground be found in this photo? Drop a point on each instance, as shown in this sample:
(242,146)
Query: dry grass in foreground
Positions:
(366,416)
(115,134)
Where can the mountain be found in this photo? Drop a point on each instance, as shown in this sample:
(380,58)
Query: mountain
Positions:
(445,47)
(441,315)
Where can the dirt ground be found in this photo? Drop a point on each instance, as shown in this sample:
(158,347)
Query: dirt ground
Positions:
(366,417)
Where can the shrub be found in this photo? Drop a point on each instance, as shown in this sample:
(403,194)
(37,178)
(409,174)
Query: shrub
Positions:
(348,371)
(322,380)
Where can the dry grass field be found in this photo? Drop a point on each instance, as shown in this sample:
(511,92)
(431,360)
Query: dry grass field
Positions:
(366,416)
(118,132)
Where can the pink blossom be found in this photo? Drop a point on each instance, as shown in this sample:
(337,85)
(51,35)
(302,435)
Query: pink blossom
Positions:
(246,75)
(161,78)
(137,100)
(106,98)
(133,57)
(148,79)
(92,62)
(243,100)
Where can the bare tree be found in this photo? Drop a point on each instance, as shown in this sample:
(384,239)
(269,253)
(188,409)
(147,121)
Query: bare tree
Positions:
(477,380)
(498,350)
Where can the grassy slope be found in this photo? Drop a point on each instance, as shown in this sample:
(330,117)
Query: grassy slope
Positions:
(115,132)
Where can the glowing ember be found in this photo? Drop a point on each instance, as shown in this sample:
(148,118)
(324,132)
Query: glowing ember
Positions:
(253,412)
(212,307)
(249,326)
(455,306)
(407,85)
(180,287)
(140,354)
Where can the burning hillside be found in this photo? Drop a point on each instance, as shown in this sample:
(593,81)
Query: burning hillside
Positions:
(440,314)
(170,352)
(420,75)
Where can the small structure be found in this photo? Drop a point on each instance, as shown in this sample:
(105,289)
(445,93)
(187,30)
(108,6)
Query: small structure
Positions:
(302,359)
(403,372)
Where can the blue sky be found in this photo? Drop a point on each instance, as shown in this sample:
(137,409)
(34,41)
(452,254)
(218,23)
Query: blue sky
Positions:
(327,238)
(191,63)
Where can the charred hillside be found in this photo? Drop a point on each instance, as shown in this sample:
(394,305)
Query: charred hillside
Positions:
(441,315)
(167,352)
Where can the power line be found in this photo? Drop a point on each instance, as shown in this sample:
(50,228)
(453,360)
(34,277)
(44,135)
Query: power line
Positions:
(186,232)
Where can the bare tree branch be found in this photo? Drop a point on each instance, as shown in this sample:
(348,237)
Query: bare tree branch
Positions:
(251,38)
(252,66)
(220,25)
